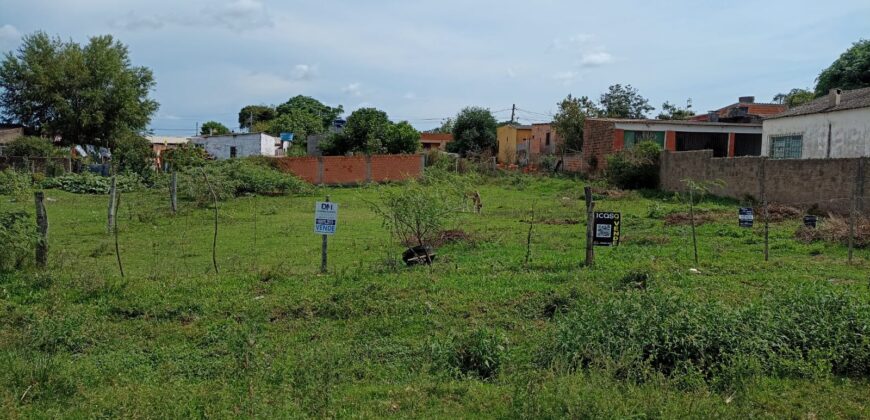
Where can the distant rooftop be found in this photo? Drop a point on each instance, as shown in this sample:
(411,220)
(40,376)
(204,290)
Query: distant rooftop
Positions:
(849,99)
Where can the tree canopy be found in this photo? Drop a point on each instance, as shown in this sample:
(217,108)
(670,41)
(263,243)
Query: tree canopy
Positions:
(474,131)
(624,102)
(213,128)
(850,71)
(571,118)
(675,112)
(370,131)
(253,114)
(794,97)
(327,114)
(89,94)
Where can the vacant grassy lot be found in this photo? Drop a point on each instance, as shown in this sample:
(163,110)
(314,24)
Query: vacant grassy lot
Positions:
(479,334)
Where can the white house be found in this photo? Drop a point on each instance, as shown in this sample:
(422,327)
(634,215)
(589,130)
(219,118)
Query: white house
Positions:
(834,126)
(229,146)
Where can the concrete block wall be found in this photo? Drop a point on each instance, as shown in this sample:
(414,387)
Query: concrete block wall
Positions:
(803,183)
(349,170)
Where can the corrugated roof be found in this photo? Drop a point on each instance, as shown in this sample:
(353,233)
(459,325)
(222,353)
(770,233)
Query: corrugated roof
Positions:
(849,99)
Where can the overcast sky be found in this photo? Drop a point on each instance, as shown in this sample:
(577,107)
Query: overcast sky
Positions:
(424,60)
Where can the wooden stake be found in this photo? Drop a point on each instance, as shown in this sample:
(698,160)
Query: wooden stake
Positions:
(113,190)
(323,248)
(765,209)
(590,222)
(42,229)
(692,220)
(852,212)
(214,241)
(117,246)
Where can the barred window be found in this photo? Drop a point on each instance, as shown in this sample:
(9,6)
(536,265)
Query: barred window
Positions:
(786,147)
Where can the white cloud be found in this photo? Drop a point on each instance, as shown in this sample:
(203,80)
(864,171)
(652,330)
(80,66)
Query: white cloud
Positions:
(9,36)
(353,89)
(595,59)
(243,15)
(236,15)
(304,72)
(259,83)
(566,77)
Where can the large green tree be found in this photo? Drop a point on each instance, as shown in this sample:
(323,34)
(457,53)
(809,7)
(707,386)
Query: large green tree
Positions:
(850,71)
(87,94)
(326,113)
(370,131)
(624,102)
(570,119)
(675,112)
(296,121)
(794,97)
(213,128)
(253,114)
(402,138)
(474,131)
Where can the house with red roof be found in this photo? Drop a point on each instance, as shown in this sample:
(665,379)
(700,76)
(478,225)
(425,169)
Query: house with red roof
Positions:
(745,111)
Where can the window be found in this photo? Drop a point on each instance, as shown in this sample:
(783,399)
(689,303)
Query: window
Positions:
(233,152)
(632,137)
(547,141)
(786,147)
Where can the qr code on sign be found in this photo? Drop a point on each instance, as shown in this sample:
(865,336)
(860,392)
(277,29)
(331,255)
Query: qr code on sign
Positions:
(603,231)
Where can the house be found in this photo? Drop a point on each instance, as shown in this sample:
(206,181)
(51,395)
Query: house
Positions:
(545,140)
(438,141)
(160,144)
(9,132)
(512,138)
(231,146)
(605,136)
(746,110)
(836,125)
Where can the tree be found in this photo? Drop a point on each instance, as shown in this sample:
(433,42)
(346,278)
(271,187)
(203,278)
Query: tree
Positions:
(213,128)
(445,128)
(253,114)
(86,94)
(571,118)
(624,102)
(794,97)
(674,112)
(325,113)
(133,153)
(402,138)
(296,121)
(850,71)
(474,132)
(366,131)
(26,146)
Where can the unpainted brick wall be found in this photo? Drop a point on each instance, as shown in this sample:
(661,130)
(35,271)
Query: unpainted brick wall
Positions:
(598,136)
(349,170)
(573,163)
(803,183)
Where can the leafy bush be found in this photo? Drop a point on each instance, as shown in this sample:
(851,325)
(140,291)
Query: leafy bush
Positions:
(28,146)
(17,239)
(185,156)
(802,332)
(237,177)
(90,183)
(478,354)
(416,213)
(635,168)
(14,183)
(133,154)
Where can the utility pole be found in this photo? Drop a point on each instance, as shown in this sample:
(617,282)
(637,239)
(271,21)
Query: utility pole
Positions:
(513,112)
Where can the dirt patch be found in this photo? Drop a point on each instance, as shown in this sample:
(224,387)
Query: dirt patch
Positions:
(778,213)
(445,237)
(610,193)
(685,219)
(559,222)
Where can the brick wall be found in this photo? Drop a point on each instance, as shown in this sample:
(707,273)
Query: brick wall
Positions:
(572,163)
(826,183)
(598,137)
(349,170)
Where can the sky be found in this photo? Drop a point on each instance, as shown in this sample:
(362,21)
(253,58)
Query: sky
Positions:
(423,60)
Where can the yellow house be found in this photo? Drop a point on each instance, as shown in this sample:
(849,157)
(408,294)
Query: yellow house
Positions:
(509,136)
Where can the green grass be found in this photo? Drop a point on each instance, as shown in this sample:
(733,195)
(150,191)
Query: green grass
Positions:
(271,337)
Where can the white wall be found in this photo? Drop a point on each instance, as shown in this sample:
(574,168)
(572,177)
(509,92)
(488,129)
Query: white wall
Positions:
(256,144)
(850,133)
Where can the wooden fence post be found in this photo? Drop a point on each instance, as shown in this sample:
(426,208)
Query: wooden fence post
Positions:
(762,180)
(42,229)
(112,205)
(173,192)
(590,222)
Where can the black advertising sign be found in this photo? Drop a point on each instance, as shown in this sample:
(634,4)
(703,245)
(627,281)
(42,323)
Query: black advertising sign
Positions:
(606,229)
(811,221)
(746,217)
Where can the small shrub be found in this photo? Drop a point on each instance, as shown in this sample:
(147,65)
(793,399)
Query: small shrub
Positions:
(17,239)
(415,214)
(477,355)
(27,146)
(237,177)
(186,156)
(133,154)
(14,183)
(90,183)
(635,168)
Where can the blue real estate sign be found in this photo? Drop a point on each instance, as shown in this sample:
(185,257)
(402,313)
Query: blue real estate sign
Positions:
(325,217)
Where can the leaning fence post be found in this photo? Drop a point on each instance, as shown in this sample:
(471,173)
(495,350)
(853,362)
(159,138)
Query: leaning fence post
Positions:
(590,222)
(173,192)
(42,229)
(112,204)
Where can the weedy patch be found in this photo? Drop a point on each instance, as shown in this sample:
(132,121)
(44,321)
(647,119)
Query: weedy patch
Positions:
(478,354)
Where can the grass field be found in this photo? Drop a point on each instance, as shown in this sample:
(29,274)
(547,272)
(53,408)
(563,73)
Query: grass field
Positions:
(479,334)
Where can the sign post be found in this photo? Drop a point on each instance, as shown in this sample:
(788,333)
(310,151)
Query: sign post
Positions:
(325,221)
(811,221)
(607,228)
(745,217)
